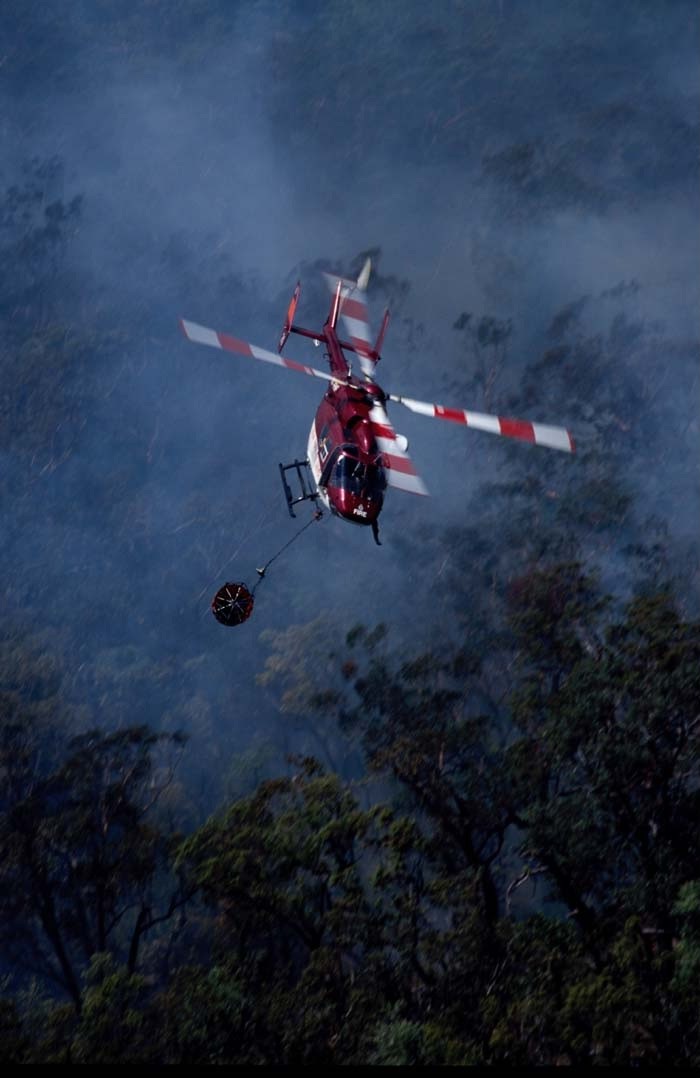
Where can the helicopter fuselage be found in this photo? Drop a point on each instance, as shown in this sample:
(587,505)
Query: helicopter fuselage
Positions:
(345,460)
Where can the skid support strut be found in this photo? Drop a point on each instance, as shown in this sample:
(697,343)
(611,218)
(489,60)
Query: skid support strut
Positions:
(305,480)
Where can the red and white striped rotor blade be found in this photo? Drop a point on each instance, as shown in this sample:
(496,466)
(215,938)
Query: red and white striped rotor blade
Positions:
(202,335)
(522,429)
(353,311)
(398,466)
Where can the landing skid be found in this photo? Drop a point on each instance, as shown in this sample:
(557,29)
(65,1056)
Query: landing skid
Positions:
(307,485)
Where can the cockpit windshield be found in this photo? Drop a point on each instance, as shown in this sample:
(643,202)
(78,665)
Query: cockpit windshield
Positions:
(353,475)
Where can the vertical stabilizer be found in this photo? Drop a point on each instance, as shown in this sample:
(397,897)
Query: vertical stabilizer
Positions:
(335,307)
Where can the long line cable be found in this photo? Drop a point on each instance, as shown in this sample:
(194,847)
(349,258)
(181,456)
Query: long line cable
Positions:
(262,524)
(261,572)
(233,602)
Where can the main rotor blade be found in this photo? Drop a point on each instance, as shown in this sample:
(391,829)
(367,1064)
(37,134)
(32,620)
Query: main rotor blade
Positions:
(399,469)
(202,335)
(353,311)
(522,429)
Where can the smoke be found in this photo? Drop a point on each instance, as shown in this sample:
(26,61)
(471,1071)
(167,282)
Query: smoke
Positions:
(506,160)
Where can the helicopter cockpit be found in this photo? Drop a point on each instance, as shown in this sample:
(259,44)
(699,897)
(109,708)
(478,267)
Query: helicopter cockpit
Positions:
(363,478)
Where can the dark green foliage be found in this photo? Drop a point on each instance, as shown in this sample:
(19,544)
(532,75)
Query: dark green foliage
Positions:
(413,935)
(617,756)
(283,868)
(84,871)
(115,1025)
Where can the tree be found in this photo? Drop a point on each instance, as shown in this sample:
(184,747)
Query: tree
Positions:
(488,339)
(86,867)
(35,225)
(417,725)
(310,685)
(282,868)
(611,729)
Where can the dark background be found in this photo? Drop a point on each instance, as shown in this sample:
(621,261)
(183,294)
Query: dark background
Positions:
(533,166)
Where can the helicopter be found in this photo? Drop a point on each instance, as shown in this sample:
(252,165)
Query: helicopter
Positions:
(354,453)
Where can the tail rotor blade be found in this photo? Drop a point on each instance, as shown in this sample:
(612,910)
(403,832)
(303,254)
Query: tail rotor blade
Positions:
(289,320)
(381,334)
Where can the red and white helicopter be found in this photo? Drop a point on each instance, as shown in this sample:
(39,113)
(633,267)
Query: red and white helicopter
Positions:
(353,452)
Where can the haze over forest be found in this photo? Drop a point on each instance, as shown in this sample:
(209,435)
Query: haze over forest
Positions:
(436,801)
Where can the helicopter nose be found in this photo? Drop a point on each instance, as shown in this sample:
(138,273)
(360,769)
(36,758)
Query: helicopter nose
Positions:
(355,509)
(365,512)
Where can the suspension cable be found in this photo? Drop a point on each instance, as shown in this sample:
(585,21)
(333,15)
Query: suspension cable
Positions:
(318,515)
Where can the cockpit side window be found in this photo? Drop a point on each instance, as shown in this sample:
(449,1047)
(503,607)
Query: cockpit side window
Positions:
(329,466)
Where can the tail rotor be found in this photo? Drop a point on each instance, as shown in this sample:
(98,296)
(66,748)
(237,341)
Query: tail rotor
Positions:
(289,320)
